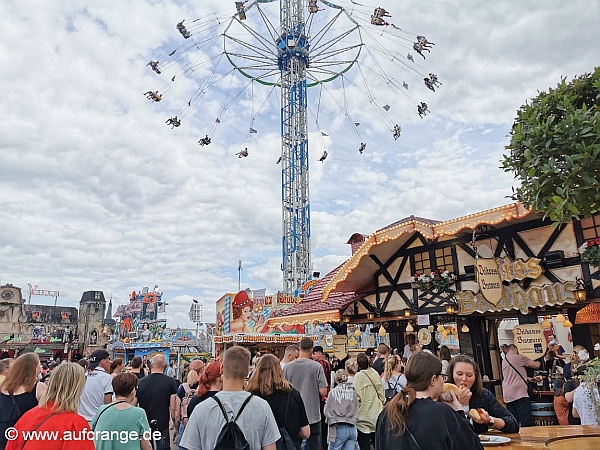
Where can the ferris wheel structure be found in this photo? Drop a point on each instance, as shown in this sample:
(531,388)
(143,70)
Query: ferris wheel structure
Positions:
(341,51)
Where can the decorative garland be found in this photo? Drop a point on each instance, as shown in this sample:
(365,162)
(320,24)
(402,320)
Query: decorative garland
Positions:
(590,252)
(438,281)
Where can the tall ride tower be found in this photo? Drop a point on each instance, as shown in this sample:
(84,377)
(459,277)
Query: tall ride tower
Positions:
(293,61)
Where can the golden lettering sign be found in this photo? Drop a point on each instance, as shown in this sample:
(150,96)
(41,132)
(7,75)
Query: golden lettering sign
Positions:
(515,297)
(530,340)
(519,269)
(489,279)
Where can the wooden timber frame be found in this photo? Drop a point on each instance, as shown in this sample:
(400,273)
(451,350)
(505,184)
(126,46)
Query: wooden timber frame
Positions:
(381,268)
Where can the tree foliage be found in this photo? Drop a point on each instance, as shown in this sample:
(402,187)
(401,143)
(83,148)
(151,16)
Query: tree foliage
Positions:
(555,150)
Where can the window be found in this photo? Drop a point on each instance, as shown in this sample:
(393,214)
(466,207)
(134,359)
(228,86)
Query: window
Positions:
(591,227)
(422,262)
(443,259)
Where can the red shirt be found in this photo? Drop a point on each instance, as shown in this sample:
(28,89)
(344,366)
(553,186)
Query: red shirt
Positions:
(62,431)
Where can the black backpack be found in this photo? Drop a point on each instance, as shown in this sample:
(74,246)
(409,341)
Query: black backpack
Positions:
(231,436)
(285,442)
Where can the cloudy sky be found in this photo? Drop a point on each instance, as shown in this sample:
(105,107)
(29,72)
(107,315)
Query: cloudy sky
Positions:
(97,193)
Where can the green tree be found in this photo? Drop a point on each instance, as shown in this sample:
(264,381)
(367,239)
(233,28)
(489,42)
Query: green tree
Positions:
(555,150)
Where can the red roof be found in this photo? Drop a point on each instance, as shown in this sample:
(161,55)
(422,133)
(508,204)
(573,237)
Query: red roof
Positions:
(313,302)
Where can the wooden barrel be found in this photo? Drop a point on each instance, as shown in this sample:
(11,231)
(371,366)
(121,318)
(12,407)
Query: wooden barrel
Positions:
(543,414)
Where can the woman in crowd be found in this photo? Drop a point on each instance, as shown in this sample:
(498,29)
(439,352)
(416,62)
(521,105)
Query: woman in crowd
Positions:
(122,417)
(116,367)
(351,369)
(57,413)
(341,411)
(445,357)
(392,371)
(407,419)
(464,372)
(211,382)
(371,398)
(286,403)
(185,394)
(578,357)
(20,391)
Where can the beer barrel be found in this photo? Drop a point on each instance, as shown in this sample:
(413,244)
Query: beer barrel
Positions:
(543,414)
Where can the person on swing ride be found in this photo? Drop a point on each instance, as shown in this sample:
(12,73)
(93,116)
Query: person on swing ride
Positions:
(422,109)
(362,147)
(154,66)
(243,153)
(434,79)
(380,12)
(174,121)
(378,21)
(419,49)
(279,160)
(424,42)
(204,141)
(410,57)
(396,130)
(323,156)
(428,83)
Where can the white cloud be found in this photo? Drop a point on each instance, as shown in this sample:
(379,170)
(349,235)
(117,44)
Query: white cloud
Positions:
(96,192)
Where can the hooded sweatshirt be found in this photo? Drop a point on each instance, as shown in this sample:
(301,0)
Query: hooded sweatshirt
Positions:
(341,407)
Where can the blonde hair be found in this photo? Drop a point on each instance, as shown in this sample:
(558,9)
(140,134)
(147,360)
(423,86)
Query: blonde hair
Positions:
(575,360)
(390,363)
(23,373)
(192,377)
(268,377)
(351,366)
(65,387)
(341,376)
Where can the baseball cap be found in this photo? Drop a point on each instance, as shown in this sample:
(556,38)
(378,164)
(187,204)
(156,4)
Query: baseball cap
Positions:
(553,343)
(370,351)
(96,357)
(317,348)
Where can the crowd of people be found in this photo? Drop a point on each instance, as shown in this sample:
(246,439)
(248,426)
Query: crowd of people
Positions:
(378,399)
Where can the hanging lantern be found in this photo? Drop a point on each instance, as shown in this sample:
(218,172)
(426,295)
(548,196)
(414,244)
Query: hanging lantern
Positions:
(560,318)
(409,327)
(440,328)
(357,332)
(382,331)
(465,328)
(567,323)
(546,323)
(407,312)
(450,309)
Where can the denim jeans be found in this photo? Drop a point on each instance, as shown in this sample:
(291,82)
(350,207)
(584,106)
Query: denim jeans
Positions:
(521,409)
(345,437)
(180,434)
(314,441)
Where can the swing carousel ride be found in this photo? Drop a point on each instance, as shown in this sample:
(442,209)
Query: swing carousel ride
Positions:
(346,53)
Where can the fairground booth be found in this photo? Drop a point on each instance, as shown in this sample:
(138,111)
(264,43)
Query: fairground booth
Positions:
(504,275)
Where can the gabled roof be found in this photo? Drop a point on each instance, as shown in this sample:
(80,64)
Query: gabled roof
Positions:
(313,308)
(411,219)
(358,270)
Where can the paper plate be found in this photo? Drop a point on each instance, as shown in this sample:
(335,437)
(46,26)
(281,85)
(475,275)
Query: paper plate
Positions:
(495,440)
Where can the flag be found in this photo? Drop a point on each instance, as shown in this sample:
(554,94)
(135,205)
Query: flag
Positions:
(405,85)
(324,134)
(252,130)
(386,107)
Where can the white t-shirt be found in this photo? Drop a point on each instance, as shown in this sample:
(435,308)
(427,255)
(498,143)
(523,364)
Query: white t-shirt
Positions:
(584,404)
(97,384)
(282,364)
(205,424)
(407,353)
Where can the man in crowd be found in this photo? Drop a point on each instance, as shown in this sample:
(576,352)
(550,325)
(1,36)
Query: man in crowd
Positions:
(319,357)
(197,365)
(503,350)
(409,347)
(308,378)
(156,395)
(384,351)
(555,345)
(136,367)
(291,354)
(514,384)
(98,388)
(256,420)
(5,365)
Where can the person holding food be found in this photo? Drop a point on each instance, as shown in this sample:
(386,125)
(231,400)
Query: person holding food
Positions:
(406,420)
(483,408)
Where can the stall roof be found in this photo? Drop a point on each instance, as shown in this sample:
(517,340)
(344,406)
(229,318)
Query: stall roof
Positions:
(312,309)
(359,270)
